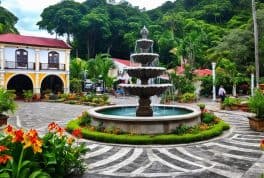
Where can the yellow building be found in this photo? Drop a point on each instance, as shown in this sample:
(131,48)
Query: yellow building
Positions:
(34,63)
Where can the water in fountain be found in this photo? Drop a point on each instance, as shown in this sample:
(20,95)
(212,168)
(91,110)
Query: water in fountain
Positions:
(146,58)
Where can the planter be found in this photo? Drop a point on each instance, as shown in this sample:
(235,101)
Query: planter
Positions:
(256,124)
(3,120)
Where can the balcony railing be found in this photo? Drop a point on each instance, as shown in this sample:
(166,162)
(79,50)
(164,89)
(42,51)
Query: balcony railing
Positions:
(51,66)
(20,65)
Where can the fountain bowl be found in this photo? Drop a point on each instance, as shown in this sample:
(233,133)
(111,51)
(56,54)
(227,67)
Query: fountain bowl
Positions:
(144,58)
(144,43)
(165,122)
(145,90)
(145,72)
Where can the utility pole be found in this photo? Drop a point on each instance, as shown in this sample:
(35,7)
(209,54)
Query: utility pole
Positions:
(254,15)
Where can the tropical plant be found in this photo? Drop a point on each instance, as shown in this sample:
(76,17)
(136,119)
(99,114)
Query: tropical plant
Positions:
(7,102)
(76,85)
(231,101)
(188,97)
(256,104)
(28,95)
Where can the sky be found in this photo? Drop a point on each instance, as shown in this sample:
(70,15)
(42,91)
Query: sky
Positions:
(28,12)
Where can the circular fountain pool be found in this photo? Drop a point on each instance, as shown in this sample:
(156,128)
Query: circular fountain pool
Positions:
(166,118)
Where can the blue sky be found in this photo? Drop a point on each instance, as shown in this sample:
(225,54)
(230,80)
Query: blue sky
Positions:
(28,12)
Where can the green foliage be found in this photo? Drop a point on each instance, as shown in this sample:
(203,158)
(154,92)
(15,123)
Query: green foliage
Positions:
(216,130)
(207,85)
(230,101)
(181,129)
(208,117)
(182,84)
(85,119)
(188,97)
(7,102)
(61,159)
(76,85)
(28,95)
(256,104)
(201,105)
(7,21)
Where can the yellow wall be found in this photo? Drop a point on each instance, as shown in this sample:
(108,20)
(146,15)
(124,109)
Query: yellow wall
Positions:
(32,76)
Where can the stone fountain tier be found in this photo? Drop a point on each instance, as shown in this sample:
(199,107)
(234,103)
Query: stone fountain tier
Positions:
(144,43)
(144,58)
(145,73)
(145,91)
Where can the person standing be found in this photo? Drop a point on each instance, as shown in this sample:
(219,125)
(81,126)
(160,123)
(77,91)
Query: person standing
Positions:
(222,93)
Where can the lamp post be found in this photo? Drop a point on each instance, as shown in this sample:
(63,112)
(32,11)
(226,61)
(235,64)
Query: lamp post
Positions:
(214,89)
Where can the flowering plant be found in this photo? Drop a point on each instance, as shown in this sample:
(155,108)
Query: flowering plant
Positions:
(24,154)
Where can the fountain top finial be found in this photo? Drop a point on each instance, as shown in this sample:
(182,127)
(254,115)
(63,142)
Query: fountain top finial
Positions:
(144,32)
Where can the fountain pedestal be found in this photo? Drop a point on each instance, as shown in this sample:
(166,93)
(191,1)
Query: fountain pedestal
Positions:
(144,108)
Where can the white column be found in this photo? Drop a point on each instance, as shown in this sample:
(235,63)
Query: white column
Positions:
(214,89)
(2,60)
(37,56)
(67,60)
(252,84)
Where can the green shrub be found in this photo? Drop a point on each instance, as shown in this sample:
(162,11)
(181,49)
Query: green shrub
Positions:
(201,105)
(188,97)
(28,95)
(85,119)
(182,129)
(207,85)
(208,117)
(216,130)
(230,101)
(76,85)
(7,102)
(256,104)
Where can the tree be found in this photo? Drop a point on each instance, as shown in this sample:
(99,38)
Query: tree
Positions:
(7,21)
(62,18)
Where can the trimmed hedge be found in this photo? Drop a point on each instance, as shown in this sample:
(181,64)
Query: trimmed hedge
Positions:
(148,139)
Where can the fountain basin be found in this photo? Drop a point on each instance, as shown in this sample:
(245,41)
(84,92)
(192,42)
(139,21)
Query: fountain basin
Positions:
(144,58)
(166,118)
(145,72)
(145,90)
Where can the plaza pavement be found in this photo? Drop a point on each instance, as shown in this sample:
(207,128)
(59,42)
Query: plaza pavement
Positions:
(235,154)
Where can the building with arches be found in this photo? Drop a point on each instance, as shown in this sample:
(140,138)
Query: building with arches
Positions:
(34,63)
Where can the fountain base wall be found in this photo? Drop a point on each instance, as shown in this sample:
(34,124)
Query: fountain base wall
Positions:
(145,125)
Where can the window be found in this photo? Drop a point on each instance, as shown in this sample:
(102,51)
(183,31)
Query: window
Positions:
(53,59)
(21,58)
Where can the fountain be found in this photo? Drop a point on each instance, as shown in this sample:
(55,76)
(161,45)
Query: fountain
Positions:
(141,119)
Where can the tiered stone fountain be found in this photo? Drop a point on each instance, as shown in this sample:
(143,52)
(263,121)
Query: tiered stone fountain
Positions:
(144,73)
(142,118)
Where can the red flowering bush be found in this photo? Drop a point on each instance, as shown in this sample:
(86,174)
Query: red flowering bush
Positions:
(24,154)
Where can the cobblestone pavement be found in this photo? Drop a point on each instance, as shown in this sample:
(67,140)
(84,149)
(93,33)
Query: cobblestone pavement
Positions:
(235,154)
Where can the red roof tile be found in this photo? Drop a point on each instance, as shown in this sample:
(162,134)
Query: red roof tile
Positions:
(33,41)
(202,72)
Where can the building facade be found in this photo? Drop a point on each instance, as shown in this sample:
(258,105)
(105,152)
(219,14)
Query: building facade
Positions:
(34,63)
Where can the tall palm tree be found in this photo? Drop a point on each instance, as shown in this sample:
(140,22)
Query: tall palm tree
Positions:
(256,42)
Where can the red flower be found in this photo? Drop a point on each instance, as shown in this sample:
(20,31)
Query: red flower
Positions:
(4,159)
(3,148)
(77,133)
(60,131)
(18,136)
(52,126)
(9,129)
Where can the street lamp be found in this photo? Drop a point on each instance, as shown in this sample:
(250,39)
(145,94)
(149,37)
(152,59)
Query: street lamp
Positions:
(214,89)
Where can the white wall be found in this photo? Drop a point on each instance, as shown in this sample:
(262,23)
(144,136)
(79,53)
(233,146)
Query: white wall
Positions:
(44,56)
(10,55)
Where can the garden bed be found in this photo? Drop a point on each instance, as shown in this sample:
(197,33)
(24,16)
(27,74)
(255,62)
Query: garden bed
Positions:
(91,133)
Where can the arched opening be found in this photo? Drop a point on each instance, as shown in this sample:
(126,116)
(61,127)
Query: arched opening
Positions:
(19,83)
(52,83)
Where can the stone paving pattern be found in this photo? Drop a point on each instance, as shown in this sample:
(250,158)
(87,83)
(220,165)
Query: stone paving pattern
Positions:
(236,154)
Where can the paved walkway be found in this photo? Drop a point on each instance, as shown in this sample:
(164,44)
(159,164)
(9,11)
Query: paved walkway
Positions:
(236,154)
